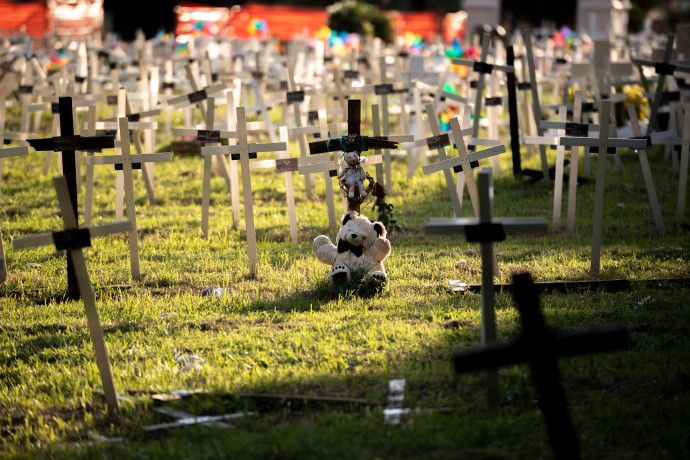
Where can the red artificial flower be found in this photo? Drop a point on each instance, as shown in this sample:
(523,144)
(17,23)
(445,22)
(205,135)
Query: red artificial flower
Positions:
(378,191)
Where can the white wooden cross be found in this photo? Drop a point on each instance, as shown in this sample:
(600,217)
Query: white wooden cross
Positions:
(6,153)
(212,136)
(383,169)
(604,145)
(127,162)
(560,161)
(439,141)
(464,162)
(73,239)
(683,173)
(536,107)
(244,152)
(294,97)
(286,165)
(136,123)
(486,230)
(663,69)
(483,68)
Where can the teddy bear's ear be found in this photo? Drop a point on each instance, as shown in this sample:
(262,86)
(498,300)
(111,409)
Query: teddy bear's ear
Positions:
(380,229)
(347,216)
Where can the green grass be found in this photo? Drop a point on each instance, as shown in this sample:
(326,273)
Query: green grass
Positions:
(287,332)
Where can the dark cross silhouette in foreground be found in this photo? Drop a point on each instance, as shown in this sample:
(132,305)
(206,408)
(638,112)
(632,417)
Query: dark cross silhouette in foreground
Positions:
(353,141)
(540,347)
(68,143)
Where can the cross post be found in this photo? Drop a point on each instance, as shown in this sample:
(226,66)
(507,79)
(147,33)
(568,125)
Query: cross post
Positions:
(536,107)
(486,230)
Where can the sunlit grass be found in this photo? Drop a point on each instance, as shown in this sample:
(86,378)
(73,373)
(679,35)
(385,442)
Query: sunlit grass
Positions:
(287,332)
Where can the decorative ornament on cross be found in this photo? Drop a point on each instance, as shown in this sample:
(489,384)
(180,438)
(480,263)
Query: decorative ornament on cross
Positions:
(352,174)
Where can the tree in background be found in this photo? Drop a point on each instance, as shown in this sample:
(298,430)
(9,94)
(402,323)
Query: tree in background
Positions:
(353,16)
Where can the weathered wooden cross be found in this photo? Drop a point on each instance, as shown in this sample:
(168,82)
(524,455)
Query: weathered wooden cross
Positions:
(68,143)
(463,163)
(663,69)
(73,239)
(560,161)
(541,347)
(646,171)
(487,230)
(603,145)
(354,140)
(126,162)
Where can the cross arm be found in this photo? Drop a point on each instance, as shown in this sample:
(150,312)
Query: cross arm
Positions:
(102,125)
(351,143)
(235,149)
(455,161)
(221,133)
(14,152)
(14,136)
(662,67)
(571,129)
(196,96)
(138,116)
(510,226)
(137,158)
(594,142)
(47,239)
(73,143)
(483,67)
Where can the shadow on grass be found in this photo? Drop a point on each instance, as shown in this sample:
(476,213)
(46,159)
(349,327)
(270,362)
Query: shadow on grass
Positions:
(610,397)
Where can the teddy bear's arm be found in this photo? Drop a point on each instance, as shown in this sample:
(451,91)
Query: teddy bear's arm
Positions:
(324,250)
(380,249)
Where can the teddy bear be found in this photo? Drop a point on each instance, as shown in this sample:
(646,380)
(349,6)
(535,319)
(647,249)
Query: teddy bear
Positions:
(353,174)
(361,248)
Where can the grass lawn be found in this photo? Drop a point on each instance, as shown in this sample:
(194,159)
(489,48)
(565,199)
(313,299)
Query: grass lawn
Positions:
(286,332)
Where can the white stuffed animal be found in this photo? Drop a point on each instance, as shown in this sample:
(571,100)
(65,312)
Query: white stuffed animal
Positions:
(362,248)
(353,174)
